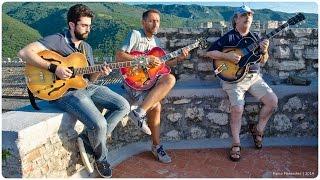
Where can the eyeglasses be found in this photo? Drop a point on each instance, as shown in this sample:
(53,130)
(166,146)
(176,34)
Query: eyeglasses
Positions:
(86,26)
(246,14)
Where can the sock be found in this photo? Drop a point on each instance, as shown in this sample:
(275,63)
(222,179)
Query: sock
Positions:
(141,112)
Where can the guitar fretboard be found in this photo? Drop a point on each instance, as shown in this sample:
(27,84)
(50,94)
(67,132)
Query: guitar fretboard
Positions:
(255,45)
(176,53)
(98,68)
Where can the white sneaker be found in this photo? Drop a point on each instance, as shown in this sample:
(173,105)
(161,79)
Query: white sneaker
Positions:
(160,154)
(140,122)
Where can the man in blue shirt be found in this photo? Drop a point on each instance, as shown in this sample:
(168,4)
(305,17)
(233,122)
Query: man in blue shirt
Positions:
(252,82)
(82,103)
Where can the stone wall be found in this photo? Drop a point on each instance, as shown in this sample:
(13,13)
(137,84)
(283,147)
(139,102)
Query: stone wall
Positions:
(196,108)
(292,52)
(195,115)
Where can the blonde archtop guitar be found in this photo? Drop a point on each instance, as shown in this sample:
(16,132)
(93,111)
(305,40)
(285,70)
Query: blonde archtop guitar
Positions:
(47,86)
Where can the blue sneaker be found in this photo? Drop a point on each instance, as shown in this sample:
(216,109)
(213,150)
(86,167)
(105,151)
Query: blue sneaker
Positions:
(160,154)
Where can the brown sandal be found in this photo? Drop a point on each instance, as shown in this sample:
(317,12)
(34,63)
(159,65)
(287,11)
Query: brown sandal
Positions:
(255,133)
(235,153)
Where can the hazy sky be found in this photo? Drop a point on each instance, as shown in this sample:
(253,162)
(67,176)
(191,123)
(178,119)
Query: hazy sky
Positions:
(280,5)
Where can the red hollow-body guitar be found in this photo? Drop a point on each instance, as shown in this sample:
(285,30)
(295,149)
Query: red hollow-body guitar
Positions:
(144,77)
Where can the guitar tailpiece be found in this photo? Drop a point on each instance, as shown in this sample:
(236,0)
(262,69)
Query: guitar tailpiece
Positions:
(219,69)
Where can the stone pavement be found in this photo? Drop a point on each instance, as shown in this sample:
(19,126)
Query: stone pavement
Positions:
(276,162)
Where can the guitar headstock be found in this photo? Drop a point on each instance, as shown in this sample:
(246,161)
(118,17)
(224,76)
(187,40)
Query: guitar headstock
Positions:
(297,18)
(202,43)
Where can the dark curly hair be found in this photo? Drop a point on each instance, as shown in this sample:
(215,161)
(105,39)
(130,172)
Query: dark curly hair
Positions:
(77,11)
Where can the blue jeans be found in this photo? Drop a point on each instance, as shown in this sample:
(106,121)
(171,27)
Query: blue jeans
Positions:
(83,105)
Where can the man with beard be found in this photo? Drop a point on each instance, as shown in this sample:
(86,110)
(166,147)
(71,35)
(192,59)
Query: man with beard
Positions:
(82,103)
(252,82)
(148,101)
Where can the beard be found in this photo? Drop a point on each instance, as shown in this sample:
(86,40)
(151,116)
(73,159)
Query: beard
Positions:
(80,36)
(152,31)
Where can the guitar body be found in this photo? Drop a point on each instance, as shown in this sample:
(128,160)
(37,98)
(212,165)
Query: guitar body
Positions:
(46,85)
(231,72)
(143,78)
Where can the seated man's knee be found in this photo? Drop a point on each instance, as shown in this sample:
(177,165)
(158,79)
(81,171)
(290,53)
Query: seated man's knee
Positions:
(275,102)
(125,106)
(238,109)
(169,79)
(157,107)
(272,101)
(100,125)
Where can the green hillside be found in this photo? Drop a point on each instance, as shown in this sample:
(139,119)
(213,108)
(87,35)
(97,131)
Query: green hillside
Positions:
(15,35)
(197,14)
(114,20)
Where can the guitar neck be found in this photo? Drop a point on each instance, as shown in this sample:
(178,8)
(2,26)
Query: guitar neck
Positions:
(176,53)
(98,68)
(255,45)
(276,31)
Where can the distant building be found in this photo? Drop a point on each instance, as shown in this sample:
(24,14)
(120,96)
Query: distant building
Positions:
(255,26)
(206,24)
(219,24)
(281,22)
(272,24)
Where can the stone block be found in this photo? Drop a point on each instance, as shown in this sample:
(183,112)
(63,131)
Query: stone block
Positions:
(174,117)
(281,52)
(303,41)
(282,122)
(218,118)
(187,77)
(281,41)
(224,135)
(197,133)
(283,75)
(188,65)
(293,103)
(205,67)
(298,53)
(311,53)
(194,114)
(292,65)
(173,135)
(182,101)
(224,105)
(315,65)
(302,32)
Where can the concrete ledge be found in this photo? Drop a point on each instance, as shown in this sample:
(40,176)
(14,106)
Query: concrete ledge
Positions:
(30,128)
(213,89)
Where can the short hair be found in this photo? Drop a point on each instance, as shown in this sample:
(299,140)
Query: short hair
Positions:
(146,13)
(77,11)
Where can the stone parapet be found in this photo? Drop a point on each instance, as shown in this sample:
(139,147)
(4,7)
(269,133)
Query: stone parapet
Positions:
(43,143)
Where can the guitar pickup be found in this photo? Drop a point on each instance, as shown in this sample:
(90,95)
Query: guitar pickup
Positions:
(221,68)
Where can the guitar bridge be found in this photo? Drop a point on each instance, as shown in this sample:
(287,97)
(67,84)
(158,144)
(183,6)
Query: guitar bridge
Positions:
(221,68)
